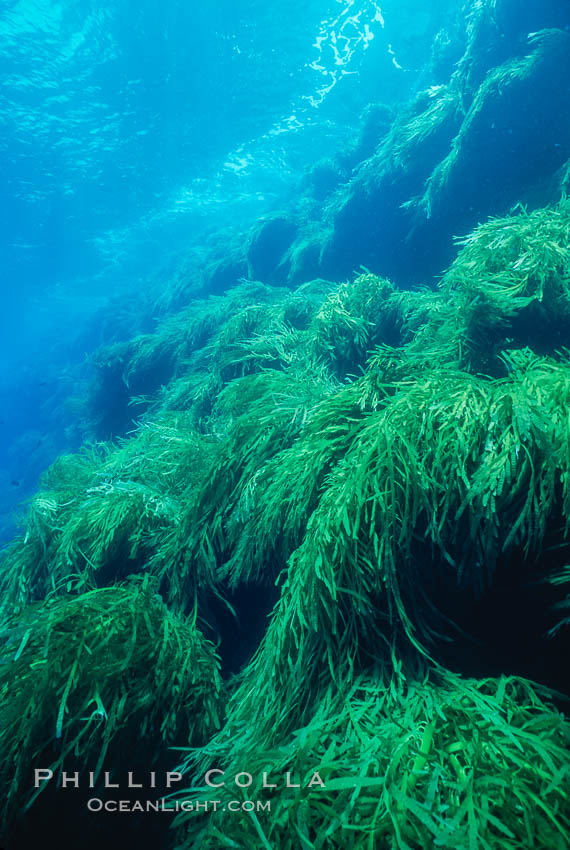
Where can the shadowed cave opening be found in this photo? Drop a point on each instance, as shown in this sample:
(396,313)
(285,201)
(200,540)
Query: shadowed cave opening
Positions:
(240,631)
(505,629)
(502,630)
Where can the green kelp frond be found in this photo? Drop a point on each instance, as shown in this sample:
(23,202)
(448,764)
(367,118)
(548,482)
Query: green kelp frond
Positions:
(494,97)
(264,413)
(438,762)
(304,302)
(276,348)
(141,368)
(452,474)
(194,353)
(280,497)
(103,516)
(180,367)
(26,566)
(114,527)
(189,330)
(255,338)
(564,179)
(517,259)
(437,110)
(349,322)
(323,333)
(285,430)
(89,677)
(509,287)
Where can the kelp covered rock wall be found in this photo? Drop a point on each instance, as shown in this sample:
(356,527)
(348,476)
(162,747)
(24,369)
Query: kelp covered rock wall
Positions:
(320,524)
(492,132)
(488,129)
(296,560)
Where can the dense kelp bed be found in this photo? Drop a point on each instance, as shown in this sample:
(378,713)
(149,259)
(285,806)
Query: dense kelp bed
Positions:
(278,566)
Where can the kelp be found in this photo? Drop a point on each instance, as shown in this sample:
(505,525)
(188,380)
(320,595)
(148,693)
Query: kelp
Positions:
(387,522)
(509,287)
(519,85)
(518,260)
(137,370)
(287,425)
(105,513)
(357,317)
(424,761)
(267,333)
(343,452)
(91,677)
(436,112)
(262,532)
(270,410)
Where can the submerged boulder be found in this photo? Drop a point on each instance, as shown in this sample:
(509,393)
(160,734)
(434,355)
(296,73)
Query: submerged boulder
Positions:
(271,238)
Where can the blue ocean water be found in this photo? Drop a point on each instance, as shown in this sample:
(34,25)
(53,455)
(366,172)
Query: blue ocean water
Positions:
(129,131)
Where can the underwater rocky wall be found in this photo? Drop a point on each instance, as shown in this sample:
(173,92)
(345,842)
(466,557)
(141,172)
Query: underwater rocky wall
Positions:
(494,133)
(335,545)
(324,528)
